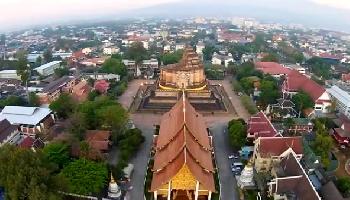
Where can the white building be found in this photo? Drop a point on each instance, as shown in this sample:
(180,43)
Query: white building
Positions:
(48,68)
(199,47)
(31,120)
(9,74)
(221,59)
(110,50)
(341,99)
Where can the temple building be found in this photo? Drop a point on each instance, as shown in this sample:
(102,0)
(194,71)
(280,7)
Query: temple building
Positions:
(187,75)
(183,166)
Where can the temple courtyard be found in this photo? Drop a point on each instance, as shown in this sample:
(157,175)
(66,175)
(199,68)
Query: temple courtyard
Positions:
(216,123)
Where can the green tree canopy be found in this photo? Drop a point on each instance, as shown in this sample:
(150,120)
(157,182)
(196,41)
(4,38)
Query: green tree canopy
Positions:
(114,66)
(269,92)
(302,101)
(85,177)
(12,101)
(62,71)
(23,69)
(57,153)
(47,56)
(343,184)
(237,131)
(26,175)
(208,52)
(33,99)
(171,58)
(270,58)
(137,52)
(63,106)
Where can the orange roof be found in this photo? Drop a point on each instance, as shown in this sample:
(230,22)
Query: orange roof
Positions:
(183,140)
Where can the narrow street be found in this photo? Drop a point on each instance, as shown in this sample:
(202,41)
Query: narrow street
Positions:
(222,151)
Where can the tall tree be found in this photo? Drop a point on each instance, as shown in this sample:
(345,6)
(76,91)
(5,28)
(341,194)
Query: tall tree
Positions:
(23,69)
(63,106)
(57,153)
(33,99)
(114,66)
(48,56)
(85,177)
(302,101)
(26,175)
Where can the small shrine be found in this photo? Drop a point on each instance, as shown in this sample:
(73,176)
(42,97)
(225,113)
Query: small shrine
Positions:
(113,189)
(247,177)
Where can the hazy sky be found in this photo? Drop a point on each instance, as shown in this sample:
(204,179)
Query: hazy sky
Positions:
(20,13)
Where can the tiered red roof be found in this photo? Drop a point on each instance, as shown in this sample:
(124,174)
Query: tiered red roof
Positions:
(296,81)
(260,126)
(275,146)
(183,140)
(271,68)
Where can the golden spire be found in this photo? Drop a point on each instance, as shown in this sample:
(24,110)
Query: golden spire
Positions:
(112,179)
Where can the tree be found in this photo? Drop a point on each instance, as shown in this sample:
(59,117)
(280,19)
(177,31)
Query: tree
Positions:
(85,177)
(57,153)
(343,184)
(23,69)
(47,56)
(61,71)
(208,52)
(302,101)
(26,175)
(34,99)
(269,92)
(137,52)
(323,143)
(112,117)
(38,61)
(63,106)
(114,66)
(77,125)
(12,101)
(172,58)
(270,58)
(237,133)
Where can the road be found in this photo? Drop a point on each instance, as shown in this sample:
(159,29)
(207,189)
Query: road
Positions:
(145,123)
(222,150)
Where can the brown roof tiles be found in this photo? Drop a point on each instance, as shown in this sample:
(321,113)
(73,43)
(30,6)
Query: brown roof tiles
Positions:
(183,140)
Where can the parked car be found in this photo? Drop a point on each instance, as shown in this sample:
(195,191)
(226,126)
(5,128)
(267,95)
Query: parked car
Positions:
(233,156)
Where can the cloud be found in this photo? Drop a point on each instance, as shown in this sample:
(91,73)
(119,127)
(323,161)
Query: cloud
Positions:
(339,4)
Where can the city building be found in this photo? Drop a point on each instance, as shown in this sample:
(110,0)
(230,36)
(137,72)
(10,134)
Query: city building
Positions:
(296,82)
(219,59)
(110,50)
(269,149)
(183,166)
(290,181)
(274,69)
(48,68)
(9,74)
(260,126)
(32,120)
(341,99)
(9,133)
(54,89)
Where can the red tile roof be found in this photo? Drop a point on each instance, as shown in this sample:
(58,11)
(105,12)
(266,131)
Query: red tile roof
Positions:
(275,146)
(97,139)
(345,77)
(271,68)
(183,140)
(296,81)
(260,126)
(27,143)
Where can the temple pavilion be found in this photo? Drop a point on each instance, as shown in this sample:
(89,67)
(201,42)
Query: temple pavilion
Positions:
(187,75)
(183,165)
